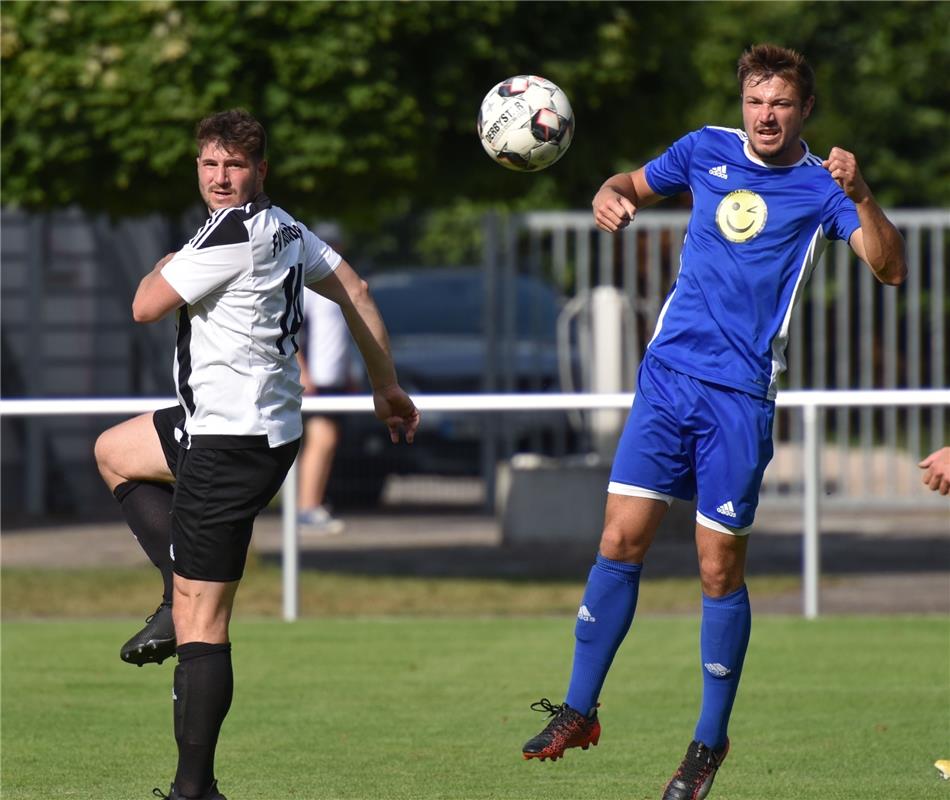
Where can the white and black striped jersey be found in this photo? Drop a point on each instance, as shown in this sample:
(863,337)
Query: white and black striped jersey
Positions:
(242,277)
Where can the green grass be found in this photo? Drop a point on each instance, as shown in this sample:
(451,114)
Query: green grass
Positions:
(419,708)
(116,592)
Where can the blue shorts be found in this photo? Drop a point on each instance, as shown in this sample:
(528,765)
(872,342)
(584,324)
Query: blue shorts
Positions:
(686,437)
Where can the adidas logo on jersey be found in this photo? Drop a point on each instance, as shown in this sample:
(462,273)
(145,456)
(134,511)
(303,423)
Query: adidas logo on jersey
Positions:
(584,615)
(727,509)
(719,172)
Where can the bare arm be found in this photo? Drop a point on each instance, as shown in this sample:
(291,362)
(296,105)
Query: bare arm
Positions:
(351,293)
(155,298)
(877,242)
(620,197)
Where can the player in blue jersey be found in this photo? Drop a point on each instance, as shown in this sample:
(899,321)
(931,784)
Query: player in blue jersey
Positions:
(764,207)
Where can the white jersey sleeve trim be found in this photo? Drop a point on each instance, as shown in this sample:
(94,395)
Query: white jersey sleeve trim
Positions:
(321,259)
(741,134)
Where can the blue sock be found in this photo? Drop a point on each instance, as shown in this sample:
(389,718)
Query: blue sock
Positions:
(602,622)
(724,637)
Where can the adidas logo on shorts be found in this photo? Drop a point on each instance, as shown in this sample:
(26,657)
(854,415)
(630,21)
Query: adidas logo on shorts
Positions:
(726,509)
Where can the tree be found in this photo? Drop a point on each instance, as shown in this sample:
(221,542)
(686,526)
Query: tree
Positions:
(371,105)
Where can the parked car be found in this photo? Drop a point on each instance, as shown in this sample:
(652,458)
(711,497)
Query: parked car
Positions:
(441,343)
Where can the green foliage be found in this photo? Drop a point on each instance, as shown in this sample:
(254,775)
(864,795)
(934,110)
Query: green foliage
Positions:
(881,89)
(371,106)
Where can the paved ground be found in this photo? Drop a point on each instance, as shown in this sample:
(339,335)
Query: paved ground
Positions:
(872,562)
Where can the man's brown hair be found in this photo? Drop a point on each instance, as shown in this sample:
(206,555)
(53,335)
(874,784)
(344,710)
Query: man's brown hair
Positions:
(763,61)
(234,130)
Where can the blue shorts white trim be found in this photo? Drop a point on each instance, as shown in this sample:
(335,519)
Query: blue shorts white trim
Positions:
(686,438)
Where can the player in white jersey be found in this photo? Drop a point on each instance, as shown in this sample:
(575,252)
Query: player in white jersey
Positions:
(701,422)
(237,287)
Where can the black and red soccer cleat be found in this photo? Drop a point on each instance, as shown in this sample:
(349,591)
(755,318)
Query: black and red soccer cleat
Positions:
(567,728)
(155,642)
(695,775)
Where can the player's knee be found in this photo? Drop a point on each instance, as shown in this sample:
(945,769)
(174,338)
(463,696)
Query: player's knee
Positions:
(719,579)
(105,452)
(618,544)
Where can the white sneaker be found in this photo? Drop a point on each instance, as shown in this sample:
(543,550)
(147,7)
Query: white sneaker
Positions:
(318,520)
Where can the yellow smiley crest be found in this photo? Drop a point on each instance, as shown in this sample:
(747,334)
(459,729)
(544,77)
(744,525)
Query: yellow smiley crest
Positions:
(741,215)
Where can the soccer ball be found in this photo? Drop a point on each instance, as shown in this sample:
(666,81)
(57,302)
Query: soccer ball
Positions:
(525,123)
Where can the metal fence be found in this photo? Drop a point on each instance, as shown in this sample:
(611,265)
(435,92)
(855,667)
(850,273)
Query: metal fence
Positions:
(809,405)
(66,331)
(849,332)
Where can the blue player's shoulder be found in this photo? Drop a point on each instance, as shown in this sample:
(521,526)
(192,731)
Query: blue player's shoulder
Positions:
(725,141)
(810,159)
(733,133)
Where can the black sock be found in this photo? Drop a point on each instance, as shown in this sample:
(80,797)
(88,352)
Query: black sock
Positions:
(204,683)
(147,507)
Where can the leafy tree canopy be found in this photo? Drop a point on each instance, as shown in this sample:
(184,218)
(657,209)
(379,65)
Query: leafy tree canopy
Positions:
(371,106)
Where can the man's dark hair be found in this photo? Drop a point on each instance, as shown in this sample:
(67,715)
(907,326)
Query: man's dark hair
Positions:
(234,130)
(763,61)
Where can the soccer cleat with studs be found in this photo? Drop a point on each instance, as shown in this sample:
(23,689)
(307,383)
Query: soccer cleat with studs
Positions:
(155,642)
(567,728)
(694,778)
(211,794)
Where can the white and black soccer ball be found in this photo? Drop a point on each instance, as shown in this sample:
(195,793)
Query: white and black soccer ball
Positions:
(525,123)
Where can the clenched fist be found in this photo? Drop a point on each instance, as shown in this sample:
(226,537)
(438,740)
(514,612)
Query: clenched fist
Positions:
(843,167)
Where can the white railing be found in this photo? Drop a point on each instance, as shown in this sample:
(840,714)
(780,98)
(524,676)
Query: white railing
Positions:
(809,401)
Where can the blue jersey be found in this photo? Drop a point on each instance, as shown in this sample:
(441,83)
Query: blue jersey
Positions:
(755,235)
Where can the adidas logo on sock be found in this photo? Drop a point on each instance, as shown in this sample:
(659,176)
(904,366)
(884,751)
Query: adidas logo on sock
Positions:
(719,172)
(727,509)
(717,669)
(584,615)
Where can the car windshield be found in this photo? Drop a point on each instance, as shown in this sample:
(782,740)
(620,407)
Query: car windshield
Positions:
(447,304)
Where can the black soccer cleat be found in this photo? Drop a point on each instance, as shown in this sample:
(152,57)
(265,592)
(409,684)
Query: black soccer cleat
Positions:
(211,794)
(695,775)
(155,642)
(567,728)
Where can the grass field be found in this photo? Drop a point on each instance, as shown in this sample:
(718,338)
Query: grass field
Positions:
(112,591)
(372,708)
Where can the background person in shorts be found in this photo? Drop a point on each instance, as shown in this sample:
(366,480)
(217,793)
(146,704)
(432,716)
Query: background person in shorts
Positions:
(764,208)
(324,370)
(237,286)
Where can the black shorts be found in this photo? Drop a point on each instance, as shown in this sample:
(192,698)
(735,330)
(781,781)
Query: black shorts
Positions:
(169,425)
(328,391)
(220,488)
